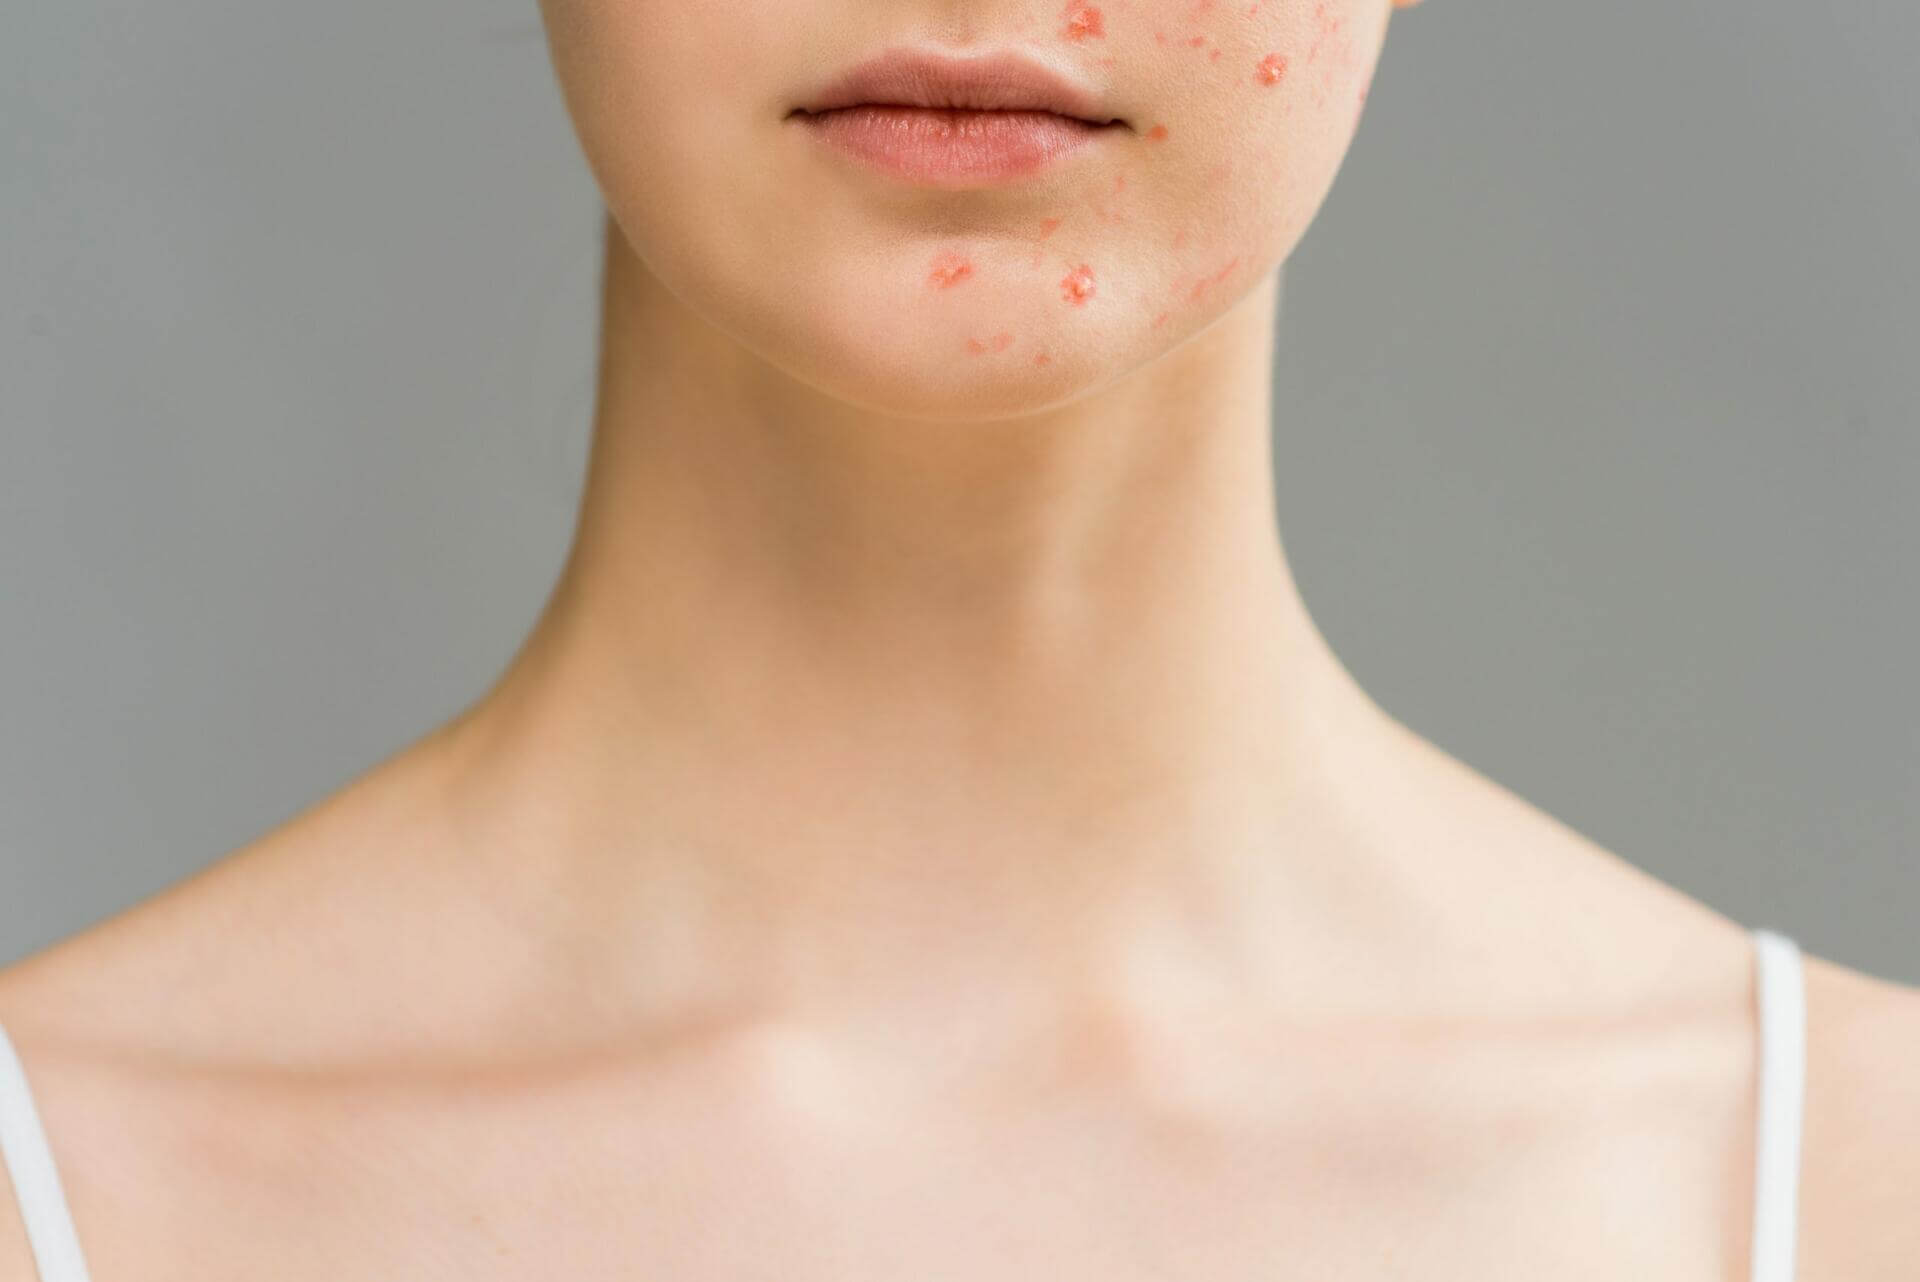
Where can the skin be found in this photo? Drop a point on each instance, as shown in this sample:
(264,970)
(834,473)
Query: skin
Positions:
(925,831)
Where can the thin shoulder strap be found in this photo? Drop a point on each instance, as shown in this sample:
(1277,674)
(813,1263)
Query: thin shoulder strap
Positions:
(36,1184)
(1780,997)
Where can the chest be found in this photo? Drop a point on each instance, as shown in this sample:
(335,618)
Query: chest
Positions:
(1651,1184)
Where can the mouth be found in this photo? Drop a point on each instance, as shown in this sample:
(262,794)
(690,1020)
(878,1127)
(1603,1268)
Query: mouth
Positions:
(1005,81)
(951,122)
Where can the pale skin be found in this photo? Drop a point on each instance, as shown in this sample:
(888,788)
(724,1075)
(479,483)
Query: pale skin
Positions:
(925,834)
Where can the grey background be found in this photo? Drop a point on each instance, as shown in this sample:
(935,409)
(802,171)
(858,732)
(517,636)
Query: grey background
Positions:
(1597,423)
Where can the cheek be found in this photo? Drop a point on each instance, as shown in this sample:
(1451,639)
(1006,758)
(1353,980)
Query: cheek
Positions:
(676,105)
(1253,104)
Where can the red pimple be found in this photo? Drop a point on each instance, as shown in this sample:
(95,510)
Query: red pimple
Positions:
(1002,341)
(1160,37)
(1161,319)
(1083,21)
(1214,56)
(1077,286)
(1271,69)
(1156,133)
(1041,358)
(1197,41)
(1048,226)
(949,270)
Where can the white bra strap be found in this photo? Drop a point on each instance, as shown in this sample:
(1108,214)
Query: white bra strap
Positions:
(1782,1006)
(36,1184)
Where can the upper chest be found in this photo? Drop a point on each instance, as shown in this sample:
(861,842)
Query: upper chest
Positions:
(1358,1163)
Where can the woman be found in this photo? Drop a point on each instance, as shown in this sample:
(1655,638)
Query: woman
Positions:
(925,832)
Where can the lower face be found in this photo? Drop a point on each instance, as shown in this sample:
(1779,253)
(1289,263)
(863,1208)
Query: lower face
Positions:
(943,263)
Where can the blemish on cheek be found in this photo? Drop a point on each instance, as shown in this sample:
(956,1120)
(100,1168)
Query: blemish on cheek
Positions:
(1326,25)
(998,343)
(1157,134)
(949,270)
(1180,238)
(1271,69)
(1084,22)
(1119,182)
(1041,358)
(1160,37)
(1048,226)
(1196,42)
(1161,319)
(1077,286)
(1200,287)
(1214,56)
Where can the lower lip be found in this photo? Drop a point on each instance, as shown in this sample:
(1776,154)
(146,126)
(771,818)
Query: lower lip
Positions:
(944,147)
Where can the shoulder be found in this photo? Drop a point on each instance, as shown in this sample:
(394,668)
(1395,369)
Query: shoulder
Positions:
(1860,1150)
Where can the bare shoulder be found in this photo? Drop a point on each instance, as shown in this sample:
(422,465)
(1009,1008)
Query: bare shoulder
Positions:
(1860,1156)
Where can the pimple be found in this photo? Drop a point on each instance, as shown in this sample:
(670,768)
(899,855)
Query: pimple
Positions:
(1084,22)
(1271,69)
(1041,358)
(1077,286)
(1161,319)
(949,270)
(1197,41)
(1048,226)
(1157,134)
(998,343)
(1215,55)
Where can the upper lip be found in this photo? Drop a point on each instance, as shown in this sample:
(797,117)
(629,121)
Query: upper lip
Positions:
(999,81)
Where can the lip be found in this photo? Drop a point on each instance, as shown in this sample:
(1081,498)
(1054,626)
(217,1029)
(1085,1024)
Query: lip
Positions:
(1002,80)
(951,121)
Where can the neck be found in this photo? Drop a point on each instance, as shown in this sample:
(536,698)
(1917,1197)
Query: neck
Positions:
(826,698)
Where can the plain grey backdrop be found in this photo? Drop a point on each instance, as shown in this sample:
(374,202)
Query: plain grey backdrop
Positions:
(1598,423)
